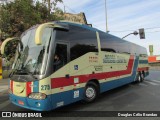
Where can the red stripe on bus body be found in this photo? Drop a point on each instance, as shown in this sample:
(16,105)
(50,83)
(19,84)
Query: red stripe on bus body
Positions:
(63,81)
(143,69)
(28,88)
(11,85)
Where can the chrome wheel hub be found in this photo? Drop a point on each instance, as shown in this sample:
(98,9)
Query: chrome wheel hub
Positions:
(139,78)
(90,92)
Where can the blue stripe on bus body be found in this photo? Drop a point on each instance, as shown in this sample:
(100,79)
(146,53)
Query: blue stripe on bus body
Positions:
(52,101)
(64,98)
(122,81)
(32,104)
(36,86)
(68,96)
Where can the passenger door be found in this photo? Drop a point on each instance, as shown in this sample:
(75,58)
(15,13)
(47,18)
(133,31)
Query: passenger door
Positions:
(62,82)
(62,49)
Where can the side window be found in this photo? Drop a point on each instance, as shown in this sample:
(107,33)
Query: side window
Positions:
(60,56)
(80,49)
(82,41)
(108,43)
(108,50)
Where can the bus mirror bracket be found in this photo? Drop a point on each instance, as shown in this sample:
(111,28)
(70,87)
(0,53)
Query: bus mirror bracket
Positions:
(5,42)
(39,31)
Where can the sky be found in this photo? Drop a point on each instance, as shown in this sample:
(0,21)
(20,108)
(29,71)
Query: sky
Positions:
(123,16)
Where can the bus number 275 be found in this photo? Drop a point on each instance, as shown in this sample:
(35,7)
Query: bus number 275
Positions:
(45,87)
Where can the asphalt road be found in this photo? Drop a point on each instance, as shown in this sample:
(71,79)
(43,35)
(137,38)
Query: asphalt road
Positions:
(143,96)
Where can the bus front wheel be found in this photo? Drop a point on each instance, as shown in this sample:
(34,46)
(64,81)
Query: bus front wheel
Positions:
(91,92)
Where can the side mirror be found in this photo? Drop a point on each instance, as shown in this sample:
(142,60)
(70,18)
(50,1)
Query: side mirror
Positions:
(5,42)
(39,31)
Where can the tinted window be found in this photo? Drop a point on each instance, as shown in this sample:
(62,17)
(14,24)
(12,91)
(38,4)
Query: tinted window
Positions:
(83,41)
(60,57)
(80,39)
(112,43)
(108,42)
(33,58)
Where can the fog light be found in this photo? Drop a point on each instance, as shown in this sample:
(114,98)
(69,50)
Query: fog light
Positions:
(38,104)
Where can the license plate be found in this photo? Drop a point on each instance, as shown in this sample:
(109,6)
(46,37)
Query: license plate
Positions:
(20,102)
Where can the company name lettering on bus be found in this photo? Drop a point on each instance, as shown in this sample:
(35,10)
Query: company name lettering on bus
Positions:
(109,59)
(121,59)
(114,59)
(98,68)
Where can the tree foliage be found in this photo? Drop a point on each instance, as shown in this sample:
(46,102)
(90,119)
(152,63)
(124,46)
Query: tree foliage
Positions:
(19,15)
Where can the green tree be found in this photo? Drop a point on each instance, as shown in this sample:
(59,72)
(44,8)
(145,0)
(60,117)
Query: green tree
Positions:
(18,16)
(52,4)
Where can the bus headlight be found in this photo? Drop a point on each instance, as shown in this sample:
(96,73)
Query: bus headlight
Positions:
(38,96)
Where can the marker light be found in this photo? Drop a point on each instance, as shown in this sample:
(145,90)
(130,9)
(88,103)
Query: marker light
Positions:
(38,96)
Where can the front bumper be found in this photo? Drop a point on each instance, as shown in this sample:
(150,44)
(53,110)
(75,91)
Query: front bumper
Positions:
(32,104)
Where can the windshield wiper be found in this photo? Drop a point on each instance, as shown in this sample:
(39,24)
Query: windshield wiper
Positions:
(22,71)
(29,73)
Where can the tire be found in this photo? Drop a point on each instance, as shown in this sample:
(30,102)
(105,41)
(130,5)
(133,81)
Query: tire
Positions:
(139,79)
(91,92)
(142,76)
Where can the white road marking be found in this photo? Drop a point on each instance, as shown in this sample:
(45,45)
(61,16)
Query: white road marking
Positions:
(152,83)
(143,84)
(155,81)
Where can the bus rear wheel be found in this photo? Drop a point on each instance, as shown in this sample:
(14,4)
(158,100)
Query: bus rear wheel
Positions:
(142,76)
(139,79)
(91,92)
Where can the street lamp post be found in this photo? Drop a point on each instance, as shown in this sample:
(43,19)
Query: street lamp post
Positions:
(106,16)
(134,33)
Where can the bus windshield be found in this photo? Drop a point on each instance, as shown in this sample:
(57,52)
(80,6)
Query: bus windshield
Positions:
(32,58)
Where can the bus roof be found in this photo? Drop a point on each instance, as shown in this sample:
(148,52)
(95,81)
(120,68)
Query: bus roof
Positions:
(79,24)
(63,22)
